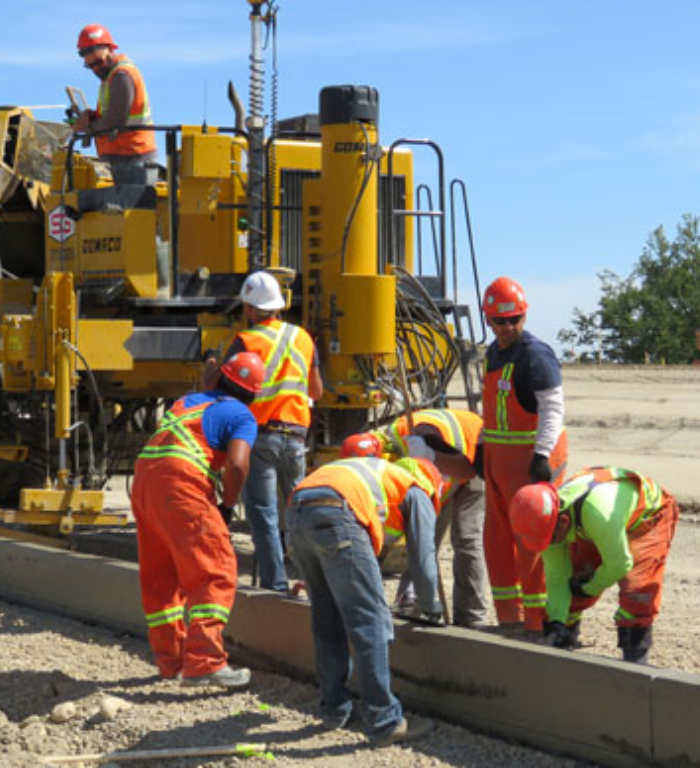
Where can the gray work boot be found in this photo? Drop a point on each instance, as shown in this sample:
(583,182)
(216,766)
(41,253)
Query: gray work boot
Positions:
(403,732)
(226,677)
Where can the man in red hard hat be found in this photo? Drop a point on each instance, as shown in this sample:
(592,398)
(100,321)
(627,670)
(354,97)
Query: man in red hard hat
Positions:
(604,526)
(449,437)
(122,101)
(185,554)
(524,441)
(339,519)
(283,412)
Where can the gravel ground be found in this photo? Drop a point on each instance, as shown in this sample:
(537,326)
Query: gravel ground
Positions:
(70,689)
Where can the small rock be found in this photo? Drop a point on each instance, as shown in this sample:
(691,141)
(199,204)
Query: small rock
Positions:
(30,721)
(111,705)
(62,713)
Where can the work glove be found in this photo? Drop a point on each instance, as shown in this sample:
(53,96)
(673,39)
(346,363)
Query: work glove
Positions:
(418,449)
(226,513)
(576,584)
(558,635)
(478,462)
(540,470)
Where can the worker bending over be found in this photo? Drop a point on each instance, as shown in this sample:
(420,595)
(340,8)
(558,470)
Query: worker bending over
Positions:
(523,442)
(338,520)
(185,554)
(282,411)
(450,439)
(604,526)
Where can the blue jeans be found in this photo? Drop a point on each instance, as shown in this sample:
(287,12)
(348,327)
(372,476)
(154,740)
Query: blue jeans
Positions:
(132,170)
(342,577)
(277,464)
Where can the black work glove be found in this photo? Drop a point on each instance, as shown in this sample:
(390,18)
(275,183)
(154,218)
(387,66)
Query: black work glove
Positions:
(226,512)
(576,584)
(478,462)
(540,471)
(558,635)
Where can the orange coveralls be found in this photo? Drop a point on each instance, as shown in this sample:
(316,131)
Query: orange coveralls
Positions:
(516,575)
(185,553)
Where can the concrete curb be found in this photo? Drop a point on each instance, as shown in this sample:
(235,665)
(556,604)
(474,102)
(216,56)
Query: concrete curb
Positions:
(598,709)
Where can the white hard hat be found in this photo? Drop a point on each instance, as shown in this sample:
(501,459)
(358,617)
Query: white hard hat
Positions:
(262,291)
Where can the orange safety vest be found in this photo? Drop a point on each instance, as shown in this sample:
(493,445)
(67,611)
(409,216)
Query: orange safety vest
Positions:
(505,421)
(128,142)
(574,491)
(373,489)
(458,428)
(180,435)
(287,352)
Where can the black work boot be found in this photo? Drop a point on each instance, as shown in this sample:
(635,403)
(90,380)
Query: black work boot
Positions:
(635,643)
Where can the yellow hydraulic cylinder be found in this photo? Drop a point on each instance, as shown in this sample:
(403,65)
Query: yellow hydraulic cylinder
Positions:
(349,181)
(63,387)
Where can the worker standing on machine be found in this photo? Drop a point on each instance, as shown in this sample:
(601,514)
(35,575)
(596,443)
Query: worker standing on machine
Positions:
(122,101)
(524,441)
(450,439)
(338,521)
(282,411)
(604,526)
(185,553)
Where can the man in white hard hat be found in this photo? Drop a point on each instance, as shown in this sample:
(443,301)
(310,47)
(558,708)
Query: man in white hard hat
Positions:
(282,411)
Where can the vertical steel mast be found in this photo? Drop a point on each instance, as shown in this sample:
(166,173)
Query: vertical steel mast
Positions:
(255,124)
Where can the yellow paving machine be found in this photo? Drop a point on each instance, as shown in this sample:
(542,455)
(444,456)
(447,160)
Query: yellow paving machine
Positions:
(110,294)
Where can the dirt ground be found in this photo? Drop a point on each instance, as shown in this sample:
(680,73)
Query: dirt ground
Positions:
(69,689)
(645,418)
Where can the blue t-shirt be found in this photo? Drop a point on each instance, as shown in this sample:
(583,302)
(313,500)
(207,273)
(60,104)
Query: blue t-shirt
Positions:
(226,420)
(535,367)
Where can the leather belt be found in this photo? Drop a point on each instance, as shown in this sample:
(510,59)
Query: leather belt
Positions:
(329,502)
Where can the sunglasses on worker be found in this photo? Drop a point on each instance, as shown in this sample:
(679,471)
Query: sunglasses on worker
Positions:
(507,320)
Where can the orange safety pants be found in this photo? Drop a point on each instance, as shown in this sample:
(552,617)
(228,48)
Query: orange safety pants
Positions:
(640,590)
(185,560)
(516,575)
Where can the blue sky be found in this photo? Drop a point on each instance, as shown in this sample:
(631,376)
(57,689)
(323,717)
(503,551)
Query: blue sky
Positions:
(574,123)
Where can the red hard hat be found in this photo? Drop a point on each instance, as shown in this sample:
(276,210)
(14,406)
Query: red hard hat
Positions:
(92,35)
(533,513)
(504,298)
(361,444)
(245,369)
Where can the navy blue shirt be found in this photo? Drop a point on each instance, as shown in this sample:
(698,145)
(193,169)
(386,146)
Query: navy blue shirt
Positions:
(226,420)
(535,367)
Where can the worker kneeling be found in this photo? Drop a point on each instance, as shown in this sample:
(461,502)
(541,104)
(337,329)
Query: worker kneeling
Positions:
(337,523)
(604,526)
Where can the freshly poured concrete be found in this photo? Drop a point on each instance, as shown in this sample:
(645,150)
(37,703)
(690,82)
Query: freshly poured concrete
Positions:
(604,710)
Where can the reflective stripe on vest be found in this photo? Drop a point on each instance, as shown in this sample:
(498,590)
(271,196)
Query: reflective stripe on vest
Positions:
(574,492)
(282,342)
(443,417)
(503,434)
(369,476)
(188,449)
(140,118)
(127,143)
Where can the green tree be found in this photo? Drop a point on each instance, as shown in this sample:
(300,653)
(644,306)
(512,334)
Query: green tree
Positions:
(651,316)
